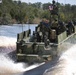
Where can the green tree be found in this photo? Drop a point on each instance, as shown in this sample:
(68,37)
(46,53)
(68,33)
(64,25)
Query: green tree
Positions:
(46,6)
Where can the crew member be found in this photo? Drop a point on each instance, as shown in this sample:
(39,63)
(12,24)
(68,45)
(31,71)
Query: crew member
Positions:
(70,27)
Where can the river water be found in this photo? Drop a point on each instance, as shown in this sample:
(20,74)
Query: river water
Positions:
(64,65)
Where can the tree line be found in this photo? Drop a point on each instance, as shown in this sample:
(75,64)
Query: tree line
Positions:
(20,12)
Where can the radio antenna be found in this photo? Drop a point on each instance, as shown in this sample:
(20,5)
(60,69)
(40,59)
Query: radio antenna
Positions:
(28,14)
(19,2)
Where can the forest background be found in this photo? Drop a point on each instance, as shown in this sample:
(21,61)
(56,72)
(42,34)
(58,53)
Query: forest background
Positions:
(16,12)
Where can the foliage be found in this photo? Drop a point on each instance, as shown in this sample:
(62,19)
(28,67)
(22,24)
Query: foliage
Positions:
(22,12)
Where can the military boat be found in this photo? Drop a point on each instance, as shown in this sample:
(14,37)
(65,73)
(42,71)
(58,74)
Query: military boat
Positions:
(42,45)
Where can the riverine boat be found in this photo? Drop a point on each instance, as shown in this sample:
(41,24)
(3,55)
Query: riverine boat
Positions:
(42,45)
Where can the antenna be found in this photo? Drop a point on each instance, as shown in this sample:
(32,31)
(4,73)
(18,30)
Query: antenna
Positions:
(28,15)
(22,27)
(19,2)
(58,9)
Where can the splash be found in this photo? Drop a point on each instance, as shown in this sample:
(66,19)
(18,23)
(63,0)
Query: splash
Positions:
(7,66)
(7,44)
(63,48)
(66,64)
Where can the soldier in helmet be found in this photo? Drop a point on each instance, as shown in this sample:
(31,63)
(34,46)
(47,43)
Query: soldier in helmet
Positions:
(53,8)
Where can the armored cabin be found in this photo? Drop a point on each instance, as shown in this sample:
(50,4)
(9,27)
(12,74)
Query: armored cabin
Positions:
(48,35)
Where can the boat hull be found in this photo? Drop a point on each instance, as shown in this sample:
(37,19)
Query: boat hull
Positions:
(37,52)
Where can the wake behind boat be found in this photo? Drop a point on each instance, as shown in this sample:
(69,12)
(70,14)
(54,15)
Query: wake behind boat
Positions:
(43,44)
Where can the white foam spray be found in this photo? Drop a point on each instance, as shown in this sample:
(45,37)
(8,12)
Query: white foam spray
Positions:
(66,64)
(7,65)
(7,44)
